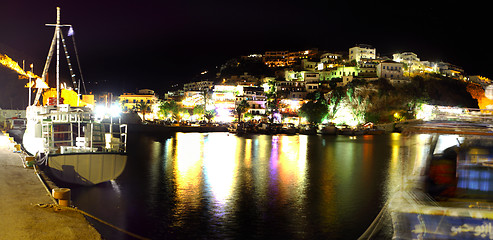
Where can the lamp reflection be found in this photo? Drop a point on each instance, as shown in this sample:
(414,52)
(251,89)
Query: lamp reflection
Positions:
(188,172)
(220,163)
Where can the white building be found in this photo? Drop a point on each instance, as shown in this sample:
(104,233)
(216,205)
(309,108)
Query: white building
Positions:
(362,51)
(329,57)
(410,59)
(390,70)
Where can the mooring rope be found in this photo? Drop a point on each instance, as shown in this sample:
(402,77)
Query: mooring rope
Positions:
(57,207)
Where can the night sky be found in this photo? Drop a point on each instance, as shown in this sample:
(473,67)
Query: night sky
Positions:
(125,45)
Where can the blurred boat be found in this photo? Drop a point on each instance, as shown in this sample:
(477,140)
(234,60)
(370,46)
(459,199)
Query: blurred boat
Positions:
(450,196)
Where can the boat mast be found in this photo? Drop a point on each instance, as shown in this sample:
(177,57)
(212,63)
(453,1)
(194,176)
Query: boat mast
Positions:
(55,41)
(57,30)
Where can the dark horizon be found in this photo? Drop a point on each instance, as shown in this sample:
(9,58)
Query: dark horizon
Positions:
(156,44)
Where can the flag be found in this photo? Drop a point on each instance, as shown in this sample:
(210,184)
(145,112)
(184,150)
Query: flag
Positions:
(70,31)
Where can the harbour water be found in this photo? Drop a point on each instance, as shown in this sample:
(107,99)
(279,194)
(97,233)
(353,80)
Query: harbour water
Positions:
(223,186)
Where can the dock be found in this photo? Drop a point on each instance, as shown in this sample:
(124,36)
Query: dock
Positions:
(20,193)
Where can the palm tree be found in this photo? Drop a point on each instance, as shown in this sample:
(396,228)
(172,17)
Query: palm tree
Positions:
(143,107)
(241,108)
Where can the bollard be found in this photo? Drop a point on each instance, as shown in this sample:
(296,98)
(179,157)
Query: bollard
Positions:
(62,195)
(30,161)
(17,148)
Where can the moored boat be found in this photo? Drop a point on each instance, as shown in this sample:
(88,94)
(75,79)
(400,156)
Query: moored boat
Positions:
(73,146)
(70,141)
(450,196)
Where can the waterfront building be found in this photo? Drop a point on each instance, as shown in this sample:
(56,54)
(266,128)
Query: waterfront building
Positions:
(129,101)
(254,96)
(362,51)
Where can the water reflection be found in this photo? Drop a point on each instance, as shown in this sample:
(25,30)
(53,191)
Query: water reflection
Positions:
(218,185)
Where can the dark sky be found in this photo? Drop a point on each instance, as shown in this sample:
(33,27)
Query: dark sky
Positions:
(151,44)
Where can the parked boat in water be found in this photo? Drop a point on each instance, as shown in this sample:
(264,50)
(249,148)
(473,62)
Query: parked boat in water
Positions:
(70,141)
(449,196)
(74,146)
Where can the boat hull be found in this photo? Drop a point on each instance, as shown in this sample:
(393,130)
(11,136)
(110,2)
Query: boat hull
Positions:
(441,226)
(87,168)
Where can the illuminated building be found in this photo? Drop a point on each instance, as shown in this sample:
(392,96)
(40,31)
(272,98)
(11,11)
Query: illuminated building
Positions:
(410,59)
(285,88)
(390,70)
(129,101)
(330,57)
(286,58)
(340,72)
(276,58)
(308,65)
(198,86)
(255,98)
(451,70)
(294,57)
(362,51)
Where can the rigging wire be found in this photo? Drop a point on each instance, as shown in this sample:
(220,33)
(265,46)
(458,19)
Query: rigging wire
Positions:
(72,75)
(78,63)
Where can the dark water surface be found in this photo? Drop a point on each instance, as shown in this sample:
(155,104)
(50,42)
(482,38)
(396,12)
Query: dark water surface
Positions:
(222,186)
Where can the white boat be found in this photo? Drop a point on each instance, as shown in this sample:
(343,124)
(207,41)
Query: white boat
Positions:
(70,141)
(76,148)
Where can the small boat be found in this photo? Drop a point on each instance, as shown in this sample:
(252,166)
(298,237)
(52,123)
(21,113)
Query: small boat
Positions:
(327,129)
(371,129)
(308,130)
(289,128)
(345,130)
(451,196)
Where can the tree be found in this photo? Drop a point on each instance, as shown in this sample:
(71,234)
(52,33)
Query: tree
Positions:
(198,110)
(170,108)
(143,107)
(335,97)
(209,115)
(314,111)
(241,108)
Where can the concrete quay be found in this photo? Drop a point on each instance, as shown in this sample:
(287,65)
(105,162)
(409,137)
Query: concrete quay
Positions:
(20,192)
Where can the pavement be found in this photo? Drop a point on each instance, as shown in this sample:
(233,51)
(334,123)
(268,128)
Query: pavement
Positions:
(20,192)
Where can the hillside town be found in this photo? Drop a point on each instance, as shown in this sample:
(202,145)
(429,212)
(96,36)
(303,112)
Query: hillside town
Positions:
(274,86)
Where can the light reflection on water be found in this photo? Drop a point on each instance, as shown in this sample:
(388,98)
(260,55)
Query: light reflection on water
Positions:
(218,185)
